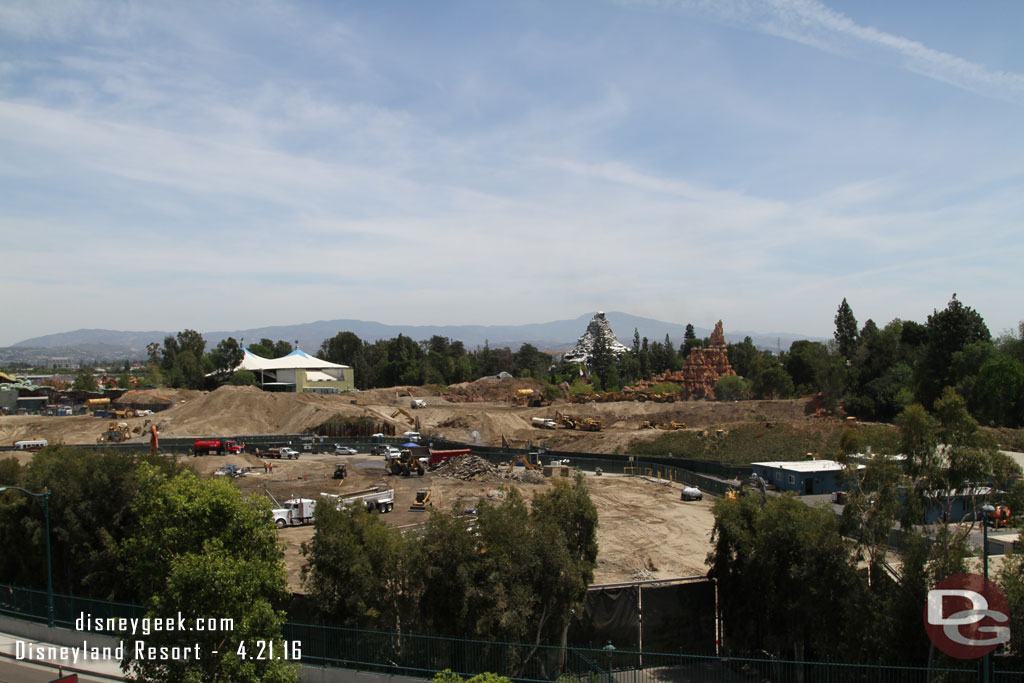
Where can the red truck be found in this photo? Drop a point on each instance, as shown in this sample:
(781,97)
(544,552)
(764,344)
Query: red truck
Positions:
(218,446)
(438,457)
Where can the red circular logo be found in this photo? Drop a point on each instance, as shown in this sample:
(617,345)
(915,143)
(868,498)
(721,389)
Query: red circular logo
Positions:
(967,616)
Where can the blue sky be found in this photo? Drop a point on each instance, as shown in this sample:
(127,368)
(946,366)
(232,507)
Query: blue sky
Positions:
(227,165)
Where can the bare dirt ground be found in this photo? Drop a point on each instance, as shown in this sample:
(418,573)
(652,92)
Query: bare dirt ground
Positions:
(645,530)
(247,410)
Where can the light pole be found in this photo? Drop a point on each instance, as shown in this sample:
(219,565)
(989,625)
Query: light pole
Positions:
(986,513)
(44,497)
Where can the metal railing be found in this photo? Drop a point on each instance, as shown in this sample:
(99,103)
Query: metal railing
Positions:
(423,655)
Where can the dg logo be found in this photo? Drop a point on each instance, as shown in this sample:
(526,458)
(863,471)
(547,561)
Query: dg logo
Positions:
(967,616)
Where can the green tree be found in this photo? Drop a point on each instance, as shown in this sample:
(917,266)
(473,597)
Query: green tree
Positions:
(805,363)
(1011,580)
(743,357)
(770,379)
(225,357)
(731,388)
(846,330)
(346,348)
(690,342)
(85,381)
(202,549)
(779,546)
(949,331)
(90,514)
(360,571)
(999,392)
(244,378)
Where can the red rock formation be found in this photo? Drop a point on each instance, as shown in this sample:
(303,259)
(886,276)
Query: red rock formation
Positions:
(703,367)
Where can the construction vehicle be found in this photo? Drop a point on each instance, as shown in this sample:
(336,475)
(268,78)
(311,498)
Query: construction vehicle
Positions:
(340,471)
(295,511)
(750,484)
(216,445)
(417,403)
(422,500)
(586,424)
(530,398)
(524,461)
(377,498)
(543,423)
(1000,517)
(115,433)
(122,413)
(404,464)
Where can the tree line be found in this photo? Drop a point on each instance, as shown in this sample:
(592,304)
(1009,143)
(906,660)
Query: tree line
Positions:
(511,571)
(142,529)
(801,583)
(874,372)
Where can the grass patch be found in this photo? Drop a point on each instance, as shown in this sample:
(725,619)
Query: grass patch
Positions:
(744,443)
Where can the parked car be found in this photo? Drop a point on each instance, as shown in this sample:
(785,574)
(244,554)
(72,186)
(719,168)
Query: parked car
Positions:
(691,493)
(344,450)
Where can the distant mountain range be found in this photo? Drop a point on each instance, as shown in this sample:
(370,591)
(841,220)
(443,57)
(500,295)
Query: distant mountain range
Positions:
(559,335)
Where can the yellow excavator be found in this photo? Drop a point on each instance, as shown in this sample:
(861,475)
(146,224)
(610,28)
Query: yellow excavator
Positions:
(115,433)
(524,461)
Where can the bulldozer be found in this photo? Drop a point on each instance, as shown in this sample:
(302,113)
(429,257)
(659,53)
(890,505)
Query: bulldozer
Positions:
(404,464)
(422,500)
(115,433)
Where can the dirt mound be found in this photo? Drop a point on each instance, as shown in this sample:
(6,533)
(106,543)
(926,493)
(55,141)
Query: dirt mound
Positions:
(489,389)
(248,410)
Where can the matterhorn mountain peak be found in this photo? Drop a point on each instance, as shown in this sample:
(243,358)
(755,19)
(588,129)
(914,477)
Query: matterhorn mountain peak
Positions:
(584,349)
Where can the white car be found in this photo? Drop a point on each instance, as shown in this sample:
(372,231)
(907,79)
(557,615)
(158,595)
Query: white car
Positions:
(344,450)
(289,453)
(691,493)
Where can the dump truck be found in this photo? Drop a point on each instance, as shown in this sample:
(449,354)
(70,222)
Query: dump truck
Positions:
(379,498)
(417,403)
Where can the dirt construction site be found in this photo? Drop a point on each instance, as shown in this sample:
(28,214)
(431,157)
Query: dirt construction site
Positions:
(645,530)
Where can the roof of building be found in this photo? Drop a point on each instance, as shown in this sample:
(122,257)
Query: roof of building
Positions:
(805,465)
(296,360)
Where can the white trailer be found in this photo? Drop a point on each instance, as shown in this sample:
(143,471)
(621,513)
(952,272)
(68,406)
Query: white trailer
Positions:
(376,498)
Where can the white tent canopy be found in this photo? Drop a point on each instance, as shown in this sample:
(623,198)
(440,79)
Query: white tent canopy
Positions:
(296,360)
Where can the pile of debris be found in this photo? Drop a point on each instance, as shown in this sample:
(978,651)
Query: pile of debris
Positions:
(466,468)
(525,476)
